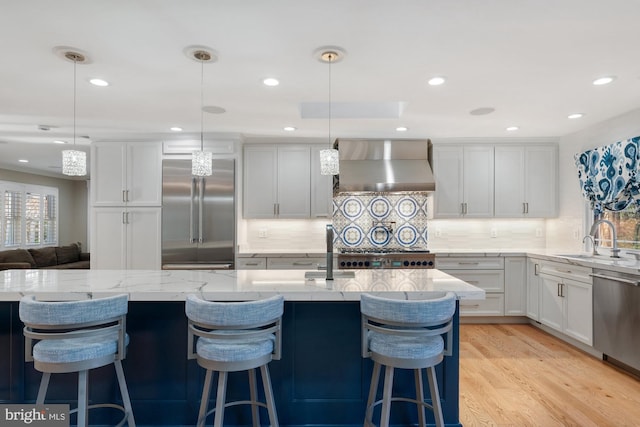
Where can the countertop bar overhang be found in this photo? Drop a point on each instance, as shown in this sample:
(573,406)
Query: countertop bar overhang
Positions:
(175,285)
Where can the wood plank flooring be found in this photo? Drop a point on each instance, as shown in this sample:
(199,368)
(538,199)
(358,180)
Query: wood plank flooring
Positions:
(518,375)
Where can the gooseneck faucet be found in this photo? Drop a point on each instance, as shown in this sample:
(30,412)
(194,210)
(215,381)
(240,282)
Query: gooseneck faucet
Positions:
(329,252)
(614,238)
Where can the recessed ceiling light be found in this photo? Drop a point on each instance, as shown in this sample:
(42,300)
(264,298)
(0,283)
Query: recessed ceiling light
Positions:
(575,116)
(271,82)
(436,81)
(176,129)
(23,161)
(402,129)
(604,80)
(289,128)
(57,141)
(99,82)
(512,128)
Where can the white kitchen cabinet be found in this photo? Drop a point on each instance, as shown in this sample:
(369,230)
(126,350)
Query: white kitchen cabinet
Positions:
(295,263)
(484,272)
(515,290)
(126,238)
(566,302)
(126,174)
(321,187)
(277,181)
(533,290)
(526,181)
(464,181)
(253,263)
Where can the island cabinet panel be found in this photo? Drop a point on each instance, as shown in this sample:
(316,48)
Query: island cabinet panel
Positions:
(321,380)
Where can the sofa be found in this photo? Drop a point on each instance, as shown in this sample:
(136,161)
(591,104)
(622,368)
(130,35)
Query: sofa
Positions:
(59,257)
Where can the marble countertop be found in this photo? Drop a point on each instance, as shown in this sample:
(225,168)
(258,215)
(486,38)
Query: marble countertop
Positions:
(174,285)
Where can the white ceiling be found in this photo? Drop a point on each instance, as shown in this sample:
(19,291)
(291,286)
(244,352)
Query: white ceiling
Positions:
(531,60)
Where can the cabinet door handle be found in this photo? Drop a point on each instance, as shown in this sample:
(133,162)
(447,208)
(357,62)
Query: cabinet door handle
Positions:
(124,198)
(536,269)
(526,210)
(275,212)
(127,196)
(124,217)
(558,289)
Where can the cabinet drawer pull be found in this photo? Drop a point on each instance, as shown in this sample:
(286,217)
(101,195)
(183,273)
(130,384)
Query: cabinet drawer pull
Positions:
(470,305)
(302,263)
(251,263)
(472,282)
(468,263)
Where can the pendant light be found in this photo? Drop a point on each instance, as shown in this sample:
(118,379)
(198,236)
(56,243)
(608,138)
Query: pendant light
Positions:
(201,161)
(74,162)
(329,158)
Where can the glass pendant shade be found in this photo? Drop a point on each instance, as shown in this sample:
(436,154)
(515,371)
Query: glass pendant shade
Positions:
(74,163)
(329,162)
(201,163)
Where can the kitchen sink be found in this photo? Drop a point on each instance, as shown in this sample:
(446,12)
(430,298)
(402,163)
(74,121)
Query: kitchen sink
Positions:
(336,274)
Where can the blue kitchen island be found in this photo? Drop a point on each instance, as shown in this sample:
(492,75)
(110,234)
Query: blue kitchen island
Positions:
(321,379)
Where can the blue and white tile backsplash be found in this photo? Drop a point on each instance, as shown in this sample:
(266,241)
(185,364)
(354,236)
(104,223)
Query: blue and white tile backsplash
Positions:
(371,221)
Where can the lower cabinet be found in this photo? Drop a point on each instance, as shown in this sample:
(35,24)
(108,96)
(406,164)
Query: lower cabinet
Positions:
(126,238)
(280,263)
(566,300)
(533,289)
(487,273)
(515,286)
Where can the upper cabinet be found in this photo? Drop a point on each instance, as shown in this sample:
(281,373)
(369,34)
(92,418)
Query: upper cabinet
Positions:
(526,181)
(278,183)
(464,181)
(501,180)
(126,174)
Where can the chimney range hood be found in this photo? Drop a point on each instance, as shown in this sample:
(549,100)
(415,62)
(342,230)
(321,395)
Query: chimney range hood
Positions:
(384,165)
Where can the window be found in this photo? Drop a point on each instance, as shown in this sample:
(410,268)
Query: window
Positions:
(627,223)
(29,215)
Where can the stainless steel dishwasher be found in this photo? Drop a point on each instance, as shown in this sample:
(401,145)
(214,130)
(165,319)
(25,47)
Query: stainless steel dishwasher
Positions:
(616,317)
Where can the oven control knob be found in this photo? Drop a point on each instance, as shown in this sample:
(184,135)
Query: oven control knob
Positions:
(413,263)
(342,264)
(367,263)
(406,263)
(348,263)
(424,262)
(360,263)
(430,262)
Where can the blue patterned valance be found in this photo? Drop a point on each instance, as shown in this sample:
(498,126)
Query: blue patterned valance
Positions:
(609,175)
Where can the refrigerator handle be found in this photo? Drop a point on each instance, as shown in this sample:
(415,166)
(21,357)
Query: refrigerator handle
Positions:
(200,211)
(191,212)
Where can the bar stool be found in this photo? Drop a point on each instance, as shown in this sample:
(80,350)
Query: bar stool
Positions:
(235,336)
(77,336)
(406,334)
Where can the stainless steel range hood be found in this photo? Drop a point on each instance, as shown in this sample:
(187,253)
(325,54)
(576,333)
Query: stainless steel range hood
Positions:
(384,165)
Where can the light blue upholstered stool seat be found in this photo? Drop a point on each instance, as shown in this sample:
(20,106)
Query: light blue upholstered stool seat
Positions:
(406,334)
(235,336)
(77,336)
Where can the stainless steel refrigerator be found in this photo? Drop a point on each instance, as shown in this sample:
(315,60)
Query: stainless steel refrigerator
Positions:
(198,216)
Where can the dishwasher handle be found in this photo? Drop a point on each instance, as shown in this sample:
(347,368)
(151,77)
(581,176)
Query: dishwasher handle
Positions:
(616,279)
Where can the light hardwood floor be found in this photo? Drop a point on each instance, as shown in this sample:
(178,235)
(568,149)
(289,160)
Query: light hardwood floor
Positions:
(518,375)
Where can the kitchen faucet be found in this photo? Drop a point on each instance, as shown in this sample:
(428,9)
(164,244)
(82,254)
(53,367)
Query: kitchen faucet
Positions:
(614,244)
(329,252)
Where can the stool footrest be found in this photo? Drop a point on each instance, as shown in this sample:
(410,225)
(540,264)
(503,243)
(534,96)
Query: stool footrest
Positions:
(107,405)
(230,404)
(369,412)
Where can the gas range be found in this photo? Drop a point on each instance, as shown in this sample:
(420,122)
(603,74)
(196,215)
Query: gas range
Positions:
(385,258)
